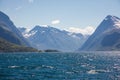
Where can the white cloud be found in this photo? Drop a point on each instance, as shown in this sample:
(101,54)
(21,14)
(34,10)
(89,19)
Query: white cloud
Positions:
(30,1)
(55,22)
(87,30)
(18,8)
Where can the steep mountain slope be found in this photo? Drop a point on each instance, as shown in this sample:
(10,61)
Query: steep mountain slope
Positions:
(46,37)
(6,46)
(9,32)
(105,37)
(9,36)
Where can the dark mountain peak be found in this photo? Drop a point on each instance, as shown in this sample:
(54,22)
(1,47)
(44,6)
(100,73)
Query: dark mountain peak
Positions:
(37,27)
(109,16)
(112,18)
(41,26)
(108,23)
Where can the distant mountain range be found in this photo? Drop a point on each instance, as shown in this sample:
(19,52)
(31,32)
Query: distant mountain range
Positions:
(106,37)
(47,37)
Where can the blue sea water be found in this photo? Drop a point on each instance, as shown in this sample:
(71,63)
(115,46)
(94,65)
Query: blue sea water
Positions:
(60,66)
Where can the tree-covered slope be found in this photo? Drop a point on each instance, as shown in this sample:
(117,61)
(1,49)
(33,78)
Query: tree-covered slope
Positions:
(6,46)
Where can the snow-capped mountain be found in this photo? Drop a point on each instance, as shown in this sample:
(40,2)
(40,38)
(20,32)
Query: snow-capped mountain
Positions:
(106,36)
(47,37)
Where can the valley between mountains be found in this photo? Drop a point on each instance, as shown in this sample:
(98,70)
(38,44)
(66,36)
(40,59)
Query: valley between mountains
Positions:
(105,38)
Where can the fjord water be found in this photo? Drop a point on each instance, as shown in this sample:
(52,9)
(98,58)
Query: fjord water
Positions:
(60,66)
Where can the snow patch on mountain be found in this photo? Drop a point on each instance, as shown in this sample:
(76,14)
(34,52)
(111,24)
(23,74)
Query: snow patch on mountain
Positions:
(30,34)
(117,24)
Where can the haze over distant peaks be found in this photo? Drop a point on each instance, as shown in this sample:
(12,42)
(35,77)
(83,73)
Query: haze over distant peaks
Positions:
(42,37)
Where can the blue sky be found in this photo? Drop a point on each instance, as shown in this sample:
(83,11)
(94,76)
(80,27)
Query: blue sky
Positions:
(59,13)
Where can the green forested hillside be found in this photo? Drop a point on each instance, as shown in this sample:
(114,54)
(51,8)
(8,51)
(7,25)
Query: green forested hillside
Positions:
(6,46)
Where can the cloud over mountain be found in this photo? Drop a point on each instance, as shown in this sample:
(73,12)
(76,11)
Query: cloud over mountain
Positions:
(55,22)
(87,30)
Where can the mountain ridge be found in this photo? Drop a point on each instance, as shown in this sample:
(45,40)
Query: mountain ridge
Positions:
(106,27)
(53,38)
(8,28)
